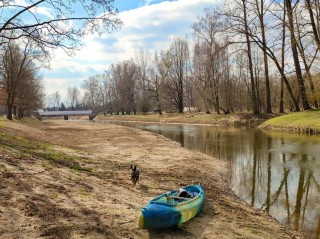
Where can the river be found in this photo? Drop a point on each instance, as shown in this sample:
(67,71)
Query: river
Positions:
(275,172)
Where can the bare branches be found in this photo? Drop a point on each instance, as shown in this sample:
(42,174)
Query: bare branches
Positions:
(57,23)
(19,75)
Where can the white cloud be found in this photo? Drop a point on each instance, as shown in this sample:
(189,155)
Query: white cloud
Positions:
(35,10)
(43,11)
(151,27)
(147,2)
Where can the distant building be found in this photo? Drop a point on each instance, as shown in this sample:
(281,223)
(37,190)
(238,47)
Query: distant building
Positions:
(191,109)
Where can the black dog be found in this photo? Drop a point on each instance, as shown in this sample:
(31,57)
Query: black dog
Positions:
(134,174)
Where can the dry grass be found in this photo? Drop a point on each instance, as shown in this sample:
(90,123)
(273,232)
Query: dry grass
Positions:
(234,119)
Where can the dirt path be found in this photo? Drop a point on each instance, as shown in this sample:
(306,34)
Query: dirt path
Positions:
(96,199)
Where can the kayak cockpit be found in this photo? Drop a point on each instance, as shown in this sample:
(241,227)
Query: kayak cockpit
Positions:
(175,197)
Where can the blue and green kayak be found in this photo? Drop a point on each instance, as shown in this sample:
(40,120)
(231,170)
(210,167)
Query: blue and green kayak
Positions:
(172,208)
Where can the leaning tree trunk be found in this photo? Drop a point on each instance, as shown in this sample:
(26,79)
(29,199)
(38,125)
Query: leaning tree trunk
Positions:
(313,23)
(265,59)
(281,109)
(254,98)
(302,89)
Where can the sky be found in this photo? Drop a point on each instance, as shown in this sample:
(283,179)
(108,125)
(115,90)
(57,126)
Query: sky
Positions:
(147,24)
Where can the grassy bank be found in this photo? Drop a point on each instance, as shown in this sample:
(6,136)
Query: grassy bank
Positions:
(234,119)
(301,122)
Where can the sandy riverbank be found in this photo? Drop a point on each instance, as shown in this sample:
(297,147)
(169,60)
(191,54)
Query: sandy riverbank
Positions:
(96,199)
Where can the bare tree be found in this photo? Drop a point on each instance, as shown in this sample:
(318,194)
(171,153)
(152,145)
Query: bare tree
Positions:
(314,11)
(124,75)
(91,91)
(239,17)
(16,67)
(56,96)
(283,78)
(53,24)
(73,94)
(254,93)
(270,49)
(176,61)
(105,90)
(210,57)
(30,95)
(143,61)
(154,85)
(260,10)
(307,49)
(240,74)
(295,55)
(114,93)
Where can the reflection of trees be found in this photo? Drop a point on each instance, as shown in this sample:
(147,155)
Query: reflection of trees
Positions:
(308,182)
(316,183)
(285,180)
(181,138)
(275,196)
(254,169)
(318,229)
(297,211)
(269,174)
(305,182)
(318,187)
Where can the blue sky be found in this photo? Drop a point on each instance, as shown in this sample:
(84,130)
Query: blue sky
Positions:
(124,5)
(148,24)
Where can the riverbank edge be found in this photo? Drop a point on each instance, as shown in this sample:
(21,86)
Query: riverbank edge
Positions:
(219,120)
(305,122)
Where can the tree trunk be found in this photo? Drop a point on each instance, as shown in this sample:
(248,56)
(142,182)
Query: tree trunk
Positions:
(157,90)
(313,24)
(302,89)
(265,56)
(281,108)
(254,98)
(279,66)
(9,107)
(314,97)
(181,88)
(306,65)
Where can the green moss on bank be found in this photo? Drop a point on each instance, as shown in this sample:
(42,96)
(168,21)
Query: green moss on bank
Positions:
(42,150)
(301,122)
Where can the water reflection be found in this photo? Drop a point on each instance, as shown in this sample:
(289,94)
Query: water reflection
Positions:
(275,172)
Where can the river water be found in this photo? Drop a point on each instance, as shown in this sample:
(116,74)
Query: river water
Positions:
(275,172)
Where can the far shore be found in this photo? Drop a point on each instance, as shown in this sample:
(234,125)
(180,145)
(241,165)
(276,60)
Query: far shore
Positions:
(214,119)
(305,122)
